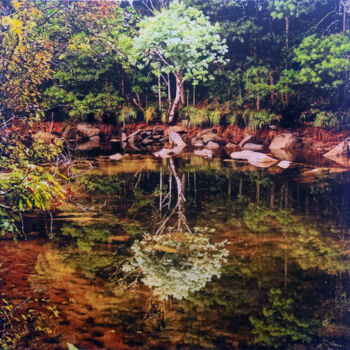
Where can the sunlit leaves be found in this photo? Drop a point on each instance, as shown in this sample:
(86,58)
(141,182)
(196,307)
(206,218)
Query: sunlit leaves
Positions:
(322,60)
(181,39)
(25,60)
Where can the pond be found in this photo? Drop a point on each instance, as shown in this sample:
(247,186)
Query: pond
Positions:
(188,253)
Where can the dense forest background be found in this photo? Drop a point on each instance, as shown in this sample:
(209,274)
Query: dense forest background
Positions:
(250,63)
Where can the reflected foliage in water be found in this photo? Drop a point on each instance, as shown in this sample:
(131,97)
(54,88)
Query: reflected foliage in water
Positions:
(201,254)
(176,264)
(283,321)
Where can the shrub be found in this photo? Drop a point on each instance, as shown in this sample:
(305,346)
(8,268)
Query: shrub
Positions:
(211,114)
(332,120)
(150,114)
(127,114)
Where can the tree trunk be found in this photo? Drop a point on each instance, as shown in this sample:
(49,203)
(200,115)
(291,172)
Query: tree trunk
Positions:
(159,93)
(169,91)
(122,82)
(160,190)
(258,103)
(182,94)
(287,32)
(194,95)
(272,92)
(179,82)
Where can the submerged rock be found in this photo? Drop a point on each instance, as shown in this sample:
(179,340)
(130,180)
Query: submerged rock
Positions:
(164,153)
(284,164)
(168,152)
(284,141)
(88,146)
(241,154)
(204,153)
(284,154)
(257,159)
(261,160)
(253,147)
(116,156)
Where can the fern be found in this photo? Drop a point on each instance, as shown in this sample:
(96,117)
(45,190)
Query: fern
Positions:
(127,114)
(214,117)
(331,120)
(150,114)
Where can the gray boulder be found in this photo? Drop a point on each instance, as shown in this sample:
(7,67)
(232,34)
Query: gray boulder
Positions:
(86,130)
(284,164)
(69,132)
(175,139)
(284,154)
(241,154)
(257,159)
(116,156)
(211,137)
(261,160)
(212,145)
(199,144)
(204,153)
(342,149)
(253,147)
(284,141)
(245,140)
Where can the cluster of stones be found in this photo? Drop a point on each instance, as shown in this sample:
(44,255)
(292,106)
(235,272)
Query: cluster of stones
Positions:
(174,139)
(145,140)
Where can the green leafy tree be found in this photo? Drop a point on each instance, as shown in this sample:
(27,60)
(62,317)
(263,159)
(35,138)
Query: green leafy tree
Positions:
(90,59)
(27,186)
(180,41)
(25,62)
(256,84)
(323,60)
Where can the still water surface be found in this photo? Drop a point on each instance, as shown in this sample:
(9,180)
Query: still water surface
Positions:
(190,253)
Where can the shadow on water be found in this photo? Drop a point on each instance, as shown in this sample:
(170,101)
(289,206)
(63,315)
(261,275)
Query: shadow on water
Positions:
(192,253)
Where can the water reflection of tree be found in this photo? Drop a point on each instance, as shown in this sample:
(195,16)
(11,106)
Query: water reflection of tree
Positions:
(176,260)
(276,238)
(284,320)
(179,207)
(175,264)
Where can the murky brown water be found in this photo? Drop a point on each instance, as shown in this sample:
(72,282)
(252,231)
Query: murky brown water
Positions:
(189,253)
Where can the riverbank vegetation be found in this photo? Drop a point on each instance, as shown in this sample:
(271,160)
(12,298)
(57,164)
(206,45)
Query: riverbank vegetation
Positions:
(249,63)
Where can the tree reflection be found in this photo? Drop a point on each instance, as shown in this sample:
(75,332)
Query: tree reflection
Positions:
(284,321)
(175,262)
(179,207)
